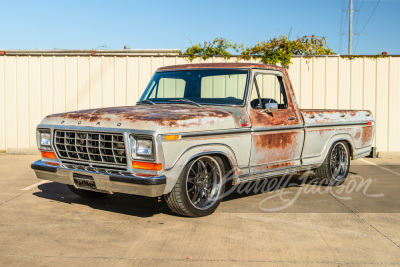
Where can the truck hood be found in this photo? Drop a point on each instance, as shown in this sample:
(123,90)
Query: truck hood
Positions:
(162,118)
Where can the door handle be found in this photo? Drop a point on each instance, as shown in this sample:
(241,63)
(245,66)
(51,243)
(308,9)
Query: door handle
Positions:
(291,118)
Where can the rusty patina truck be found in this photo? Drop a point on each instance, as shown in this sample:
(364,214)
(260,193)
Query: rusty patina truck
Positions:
(196,126)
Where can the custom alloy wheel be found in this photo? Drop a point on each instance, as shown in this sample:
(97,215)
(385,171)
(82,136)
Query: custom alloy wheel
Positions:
(335,168)
(203,182)
(199,188)
(339,161)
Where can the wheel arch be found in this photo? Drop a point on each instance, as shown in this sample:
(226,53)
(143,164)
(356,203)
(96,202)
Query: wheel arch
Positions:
(344,137)
(221,150)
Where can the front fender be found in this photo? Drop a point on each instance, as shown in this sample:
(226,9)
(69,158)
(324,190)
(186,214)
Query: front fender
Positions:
(173,171)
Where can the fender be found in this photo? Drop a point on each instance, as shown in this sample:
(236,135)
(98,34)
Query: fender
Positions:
(319,159)
(192,152)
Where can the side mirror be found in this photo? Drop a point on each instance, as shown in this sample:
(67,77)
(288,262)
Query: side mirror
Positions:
(271,107)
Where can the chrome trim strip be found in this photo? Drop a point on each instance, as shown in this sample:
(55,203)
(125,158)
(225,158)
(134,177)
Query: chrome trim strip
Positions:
(275,162)
(262,175)
(335,124)
(265,129)
(220,132)
(278,128)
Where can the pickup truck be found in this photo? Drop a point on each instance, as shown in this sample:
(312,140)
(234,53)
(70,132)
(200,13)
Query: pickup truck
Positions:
(195,127)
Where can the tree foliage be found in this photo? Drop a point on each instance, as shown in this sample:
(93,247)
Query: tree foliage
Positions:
(276,50)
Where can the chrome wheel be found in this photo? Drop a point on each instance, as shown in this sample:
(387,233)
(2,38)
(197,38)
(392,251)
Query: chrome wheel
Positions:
(339,161)
(203,182)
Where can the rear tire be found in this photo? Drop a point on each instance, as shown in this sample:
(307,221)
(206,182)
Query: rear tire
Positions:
(86,193)
(199,189)
(336,166)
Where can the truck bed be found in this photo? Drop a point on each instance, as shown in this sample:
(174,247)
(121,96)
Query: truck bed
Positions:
(324,127)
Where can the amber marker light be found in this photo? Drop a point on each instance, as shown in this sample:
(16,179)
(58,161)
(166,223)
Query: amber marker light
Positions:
(49,155)
(147,166)
(171,137)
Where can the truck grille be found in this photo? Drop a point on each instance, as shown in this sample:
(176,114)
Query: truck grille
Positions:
(96,147)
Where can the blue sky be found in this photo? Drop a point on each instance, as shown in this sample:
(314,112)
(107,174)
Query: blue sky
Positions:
(170,24)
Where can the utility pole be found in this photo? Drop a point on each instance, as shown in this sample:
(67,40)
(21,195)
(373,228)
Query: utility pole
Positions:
(351,27)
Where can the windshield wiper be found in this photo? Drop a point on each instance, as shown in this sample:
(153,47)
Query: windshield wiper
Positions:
(146,101)
(185,100)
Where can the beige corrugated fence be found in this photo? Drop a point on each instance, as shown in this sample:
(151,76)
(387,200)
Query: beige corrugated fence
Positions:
(34,85)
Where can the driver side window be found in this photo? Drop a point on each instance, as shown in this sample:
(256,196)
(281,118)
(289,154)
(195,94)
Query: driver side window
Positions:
(270,89)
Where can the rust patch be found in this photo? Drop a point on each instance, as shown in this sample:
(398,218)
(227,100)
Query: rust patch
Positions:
(164,115)
(367,132)
(280,140)
(321,112)
(280,165)
(273,166)
(358,134)
(279,118)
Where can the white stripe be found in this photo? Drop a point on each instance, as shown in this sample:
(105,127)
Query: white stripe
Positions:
(34,185)
(383,168)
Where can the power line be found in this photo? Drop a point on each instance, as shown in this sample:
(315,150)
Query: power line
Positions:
(373,11)
(343,25)
(358,14)
(355,28)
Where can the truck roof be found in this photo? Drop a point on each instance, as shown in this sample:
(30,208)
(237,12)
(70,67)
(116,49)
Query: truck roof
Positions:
(221,66)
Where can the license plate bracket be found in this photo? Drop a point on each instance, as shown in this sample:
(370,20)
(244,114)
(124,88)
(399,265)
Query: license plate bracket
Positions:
(84,181)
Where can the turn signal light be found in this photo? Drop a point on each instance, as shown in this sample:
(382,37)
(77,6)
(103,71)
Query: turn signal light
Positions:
(171,137)
(49,155)
(147,166)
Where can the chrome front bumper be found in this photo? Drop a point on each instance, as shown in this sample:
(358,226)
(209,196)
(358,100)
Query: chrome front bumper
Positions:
(105,182)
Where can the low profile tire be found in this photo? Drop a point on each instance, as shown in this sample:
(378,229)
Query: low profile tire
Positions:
(199,189)
(336,166)
(86,193)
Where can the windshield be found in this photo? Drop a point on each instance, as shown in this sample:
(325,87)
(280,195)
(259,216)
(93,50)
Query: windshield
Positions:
(223,87)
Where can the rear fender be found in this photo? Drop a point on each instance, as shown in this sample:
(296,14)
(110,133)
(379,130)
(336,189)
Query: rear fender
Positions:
(319,159)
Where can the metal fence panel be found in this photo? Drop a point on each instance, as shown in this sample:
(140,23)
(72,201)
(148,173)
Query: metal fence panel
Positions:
(32,86)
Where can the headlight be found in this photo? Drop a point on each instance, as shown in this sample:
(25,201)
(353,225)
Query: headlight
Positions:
(145,147)
(44,142)
(45,139)
(141,148)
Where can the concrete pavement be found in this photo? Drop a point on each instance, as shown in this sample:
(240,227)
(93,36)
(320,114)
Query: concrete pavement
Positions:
(299,223)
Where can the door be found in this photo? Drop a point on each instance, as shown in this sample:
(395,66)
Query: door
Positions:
(278,135)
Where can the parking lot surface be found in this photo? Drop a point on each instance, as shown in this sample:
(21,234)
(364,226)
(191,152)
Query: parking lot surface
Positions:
(290,222)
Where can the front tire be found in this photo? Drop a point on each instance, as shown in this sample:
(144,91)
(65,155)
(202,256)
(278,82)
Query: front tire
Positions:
(199,189)
(336,166)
